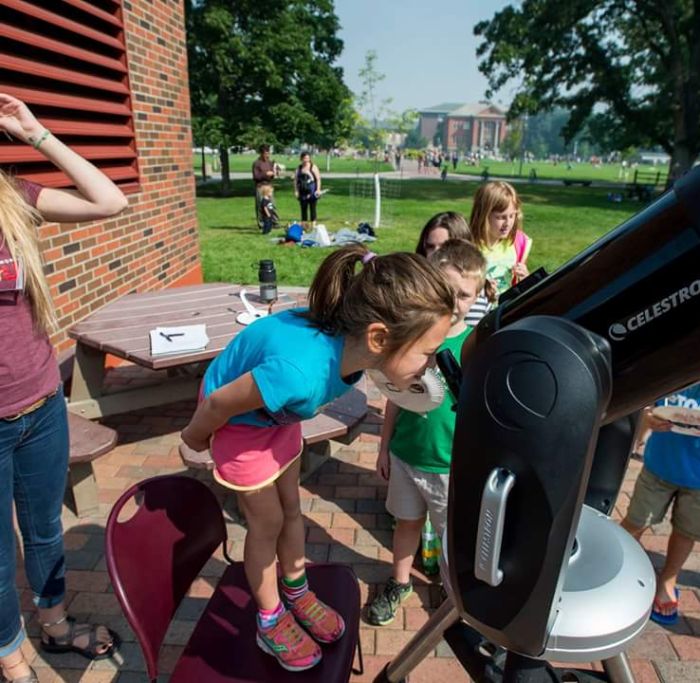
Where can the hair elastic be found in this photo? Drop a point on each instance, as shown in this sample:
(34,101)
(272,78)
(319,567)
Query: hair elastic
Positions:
(368,257)
(41,139)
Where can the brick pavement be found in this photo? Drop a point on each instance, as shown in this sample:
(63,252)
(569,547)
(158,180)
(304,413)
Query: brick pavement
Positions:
(344,512)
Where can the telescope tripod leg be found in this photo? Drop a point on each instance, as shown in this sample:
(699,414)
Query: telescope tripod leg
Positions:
(418,648)
(618,669)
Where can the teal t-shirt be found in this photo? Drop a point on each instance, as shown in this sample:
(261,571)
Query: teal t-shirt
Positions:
(425,441)
(296,368)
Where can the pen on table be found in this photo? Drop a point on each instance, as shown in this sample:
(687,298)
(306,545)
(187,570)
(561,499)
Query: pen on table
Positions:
(172,334)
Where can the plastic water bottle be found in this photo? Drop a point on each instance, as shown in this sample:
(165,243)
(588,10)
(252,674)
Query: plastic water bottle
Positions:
(267,275)
(430,549)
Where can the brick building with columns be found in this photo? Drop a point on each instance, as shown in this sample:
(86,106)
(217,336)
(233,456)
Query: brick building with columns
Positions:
(464,128)
(109,78)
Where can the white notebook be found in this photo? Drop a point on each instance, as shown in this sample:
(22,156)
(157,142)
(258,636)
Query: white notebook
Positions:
(184,339)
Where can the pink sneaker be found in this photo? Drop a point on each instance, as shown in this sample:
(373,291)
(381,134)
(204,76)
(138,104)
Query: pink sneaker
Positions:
(290,644)
(320,620)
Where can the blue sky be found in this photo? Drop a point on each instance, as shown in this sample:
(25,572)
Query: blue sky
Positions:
(425,48)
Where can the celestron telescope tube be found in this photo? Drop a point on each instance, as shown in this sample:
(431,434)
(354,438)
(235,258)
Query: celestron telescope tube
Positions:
(639,287)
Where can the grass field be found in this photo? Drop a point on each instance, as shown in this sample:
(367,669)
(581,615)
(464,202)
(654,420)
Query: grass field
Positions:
(610,173)
(561,221)
(242,163)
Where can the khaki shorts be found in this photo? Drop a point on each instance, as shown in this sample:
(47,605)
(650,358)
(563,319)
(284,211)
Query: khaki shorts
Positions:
(413,493)
(651,499)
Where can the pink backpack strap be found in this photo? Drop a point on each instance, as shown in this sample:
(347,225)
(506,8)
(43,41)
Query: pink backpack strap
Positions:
(520,245)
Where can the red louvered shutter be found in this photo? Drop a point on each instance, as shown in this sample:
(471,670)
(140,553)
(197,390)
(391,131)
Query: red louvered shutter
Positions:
(67,60)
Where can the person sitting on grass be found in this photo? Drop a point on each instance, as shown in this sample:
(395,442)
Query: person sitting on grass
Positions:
(415,450)
(670,477)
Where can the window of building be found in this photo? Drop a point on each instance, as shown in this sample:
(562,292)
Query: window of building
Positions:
(67,60)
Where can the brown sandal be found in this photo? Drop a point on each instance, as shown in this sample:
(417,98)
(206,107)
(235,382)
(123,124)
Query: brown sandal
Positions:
(66,642)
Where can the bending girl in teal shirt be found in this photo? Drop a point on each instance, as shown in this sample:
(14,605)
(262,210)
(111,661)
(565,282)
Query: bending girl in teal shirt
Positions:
(392,315)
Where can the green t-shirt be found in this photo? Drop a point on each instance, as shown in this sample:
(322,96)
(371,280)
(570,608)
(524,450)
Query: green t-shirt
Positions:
(425,441)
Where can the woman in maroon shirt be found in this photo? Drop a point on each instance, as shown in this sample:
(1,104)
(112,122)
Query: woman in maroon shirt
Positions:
(33,424)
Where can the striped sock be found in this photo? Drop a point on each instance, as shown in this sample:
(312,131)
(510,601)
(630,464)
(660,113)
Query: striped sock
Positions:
(267,618)
(293,589)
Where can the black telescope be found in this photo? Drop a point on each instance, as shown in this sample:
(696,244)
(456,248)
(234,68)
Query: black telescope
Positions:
(534,568)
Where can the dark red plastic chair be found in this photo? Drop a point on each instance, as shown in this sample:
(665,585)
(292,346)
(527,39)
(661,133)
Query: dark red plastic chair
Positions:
(154,556)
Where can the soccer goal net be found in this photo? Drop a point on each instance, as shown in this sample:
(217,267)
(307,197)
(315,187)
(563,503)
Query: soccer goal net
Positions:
(374,201)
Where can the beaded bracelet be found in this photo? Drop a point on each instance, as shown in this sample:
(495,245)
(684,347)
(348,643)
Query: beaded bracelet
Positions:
(41,139)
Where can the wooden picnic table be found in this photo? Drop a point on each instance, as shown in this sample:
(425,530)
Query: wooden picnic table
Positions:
(122,327)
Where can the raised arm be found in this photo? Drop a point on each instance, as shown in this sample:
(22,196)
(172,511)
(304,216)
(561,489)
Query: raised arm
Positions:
(96,195)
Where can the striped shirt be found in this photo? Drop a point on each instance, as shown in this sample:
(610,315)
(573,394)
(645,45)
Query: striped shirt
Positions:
(478,310)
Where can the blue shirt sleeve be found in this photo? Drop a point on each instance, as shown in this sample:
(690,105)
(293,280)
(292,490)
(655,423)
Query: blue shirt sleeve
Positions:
(280,383)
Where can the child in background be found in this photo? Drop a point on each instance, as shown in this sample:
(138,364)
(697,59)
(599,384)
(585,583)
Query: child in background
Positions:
(440,228)
(416,450)
(496,223)
(392,315)
(670,476)
(268,211)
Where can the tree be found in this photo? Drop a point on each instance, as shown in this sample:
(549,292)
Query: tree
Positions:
(365,135)
(369,101)
(332,104)
(414,140)
(206,132)
(512,144)
(633,66)
(403,123)
(265,69)
(369,97)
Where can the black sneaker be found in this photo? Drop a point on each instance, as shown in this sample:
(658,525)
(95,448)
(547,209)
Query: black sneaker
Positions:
(382,609)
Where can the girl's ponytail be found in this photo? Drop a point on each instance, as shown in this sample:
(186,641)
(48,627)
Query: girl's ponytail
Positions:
(331,284)
(401,290)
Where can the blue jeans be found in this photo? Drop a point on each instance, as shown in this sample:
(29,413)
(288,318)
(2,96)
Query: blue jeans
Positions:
(33,468)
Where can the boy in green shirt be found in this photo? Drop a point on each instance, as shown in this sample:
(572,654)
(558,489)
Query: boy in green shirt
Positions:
(416,450)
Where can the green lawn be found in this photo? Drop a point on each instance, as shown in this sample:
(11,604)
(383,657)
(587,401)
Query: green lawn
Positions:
(561,221)
(242,163)
(611,173)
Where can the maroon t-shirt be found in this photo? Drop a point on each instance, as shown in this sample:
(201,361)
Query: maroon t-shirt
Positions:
(28,367)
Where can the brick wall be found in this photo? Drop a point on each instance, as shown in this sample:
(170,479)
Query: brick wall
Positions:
(154,243)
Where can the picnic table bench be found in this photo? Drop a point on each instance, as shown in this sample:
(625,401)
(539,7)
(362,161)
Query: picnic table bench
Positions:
(333,427)
(88,441)
(644,184)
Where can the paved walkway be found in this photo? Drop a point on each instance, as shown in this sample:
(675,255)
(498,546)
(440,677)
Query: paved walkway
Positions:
(344,512)
(409,171)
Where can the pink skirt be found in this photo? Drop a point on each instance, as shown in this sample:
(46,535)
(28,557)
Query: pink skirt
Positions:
(249,458)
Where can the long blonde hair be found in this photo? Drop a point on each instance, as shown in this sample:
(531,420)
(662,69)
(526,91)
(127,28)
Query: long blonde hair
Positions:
(18,224)
(496,195)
